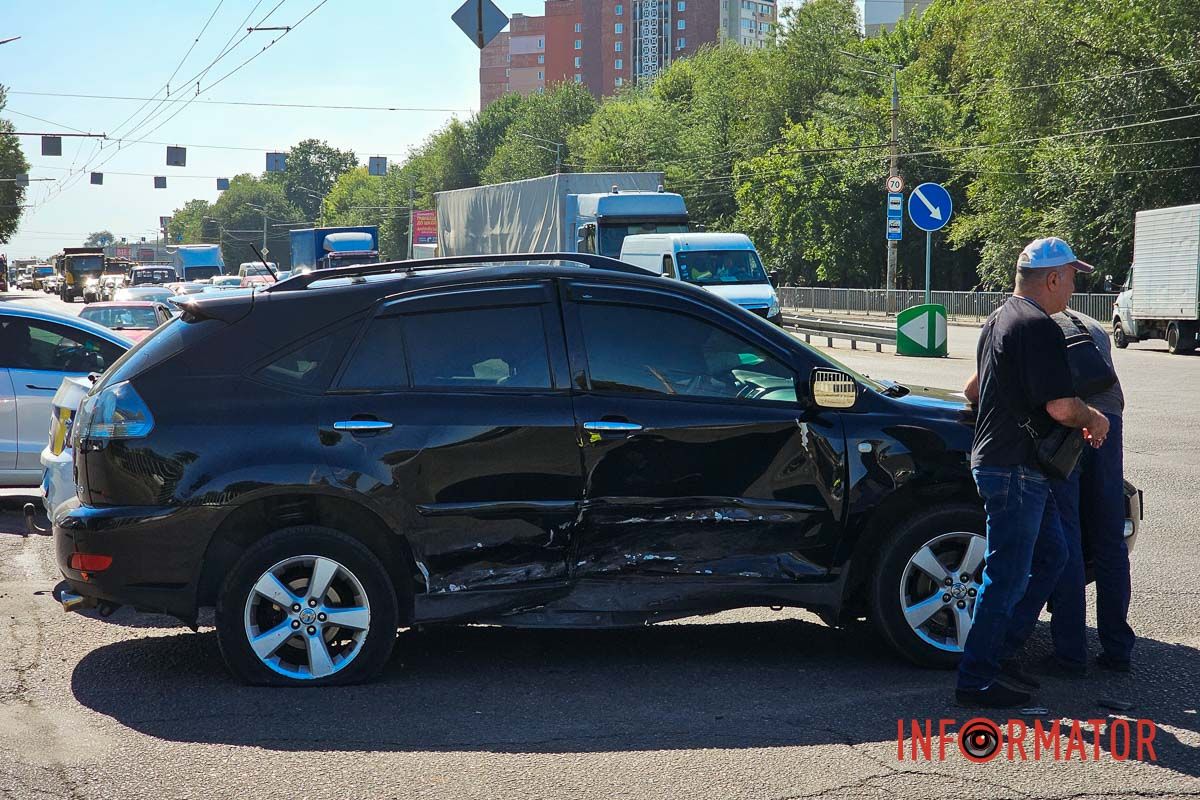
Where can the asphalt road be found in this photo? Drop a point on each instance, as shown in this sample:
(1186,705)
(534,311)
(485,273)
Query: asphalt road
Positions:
(748,704)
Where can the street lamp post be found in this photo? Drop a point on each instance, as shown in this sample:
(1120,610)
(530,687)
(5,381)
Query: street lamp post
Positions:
(558,146)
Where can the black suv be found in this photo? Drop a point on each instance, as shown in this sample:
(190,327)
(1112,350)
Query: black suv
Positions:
(566,443)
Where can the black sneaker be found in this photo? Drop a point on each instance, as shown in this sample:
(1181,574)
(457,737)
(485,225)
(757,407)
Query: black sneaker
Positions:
(995,696)
(1061,668)
(1014,675)
(1105,661)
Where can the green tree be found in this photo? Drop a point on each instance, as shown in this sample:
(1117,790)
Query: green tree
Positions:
(99,239)
(241,213)
(312,168)
(12,162)
(550,118)
(187,223)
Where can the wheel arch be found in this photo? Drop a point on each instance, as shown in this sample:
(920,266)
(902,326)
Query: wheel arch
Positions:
(891,514)
(262,516)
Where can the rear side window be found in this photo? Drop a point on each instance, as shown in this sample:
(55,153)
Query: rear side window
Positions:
(478,348)
(308,365)
(378,361)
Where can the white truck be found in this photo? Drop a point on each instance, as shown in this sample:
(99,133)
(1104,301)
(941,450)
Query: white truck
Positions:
(589,212)
(1163,301)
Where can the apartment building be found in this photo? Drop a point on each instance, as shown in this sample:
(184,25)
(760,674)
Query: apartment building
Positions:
(880,15)
(607,45)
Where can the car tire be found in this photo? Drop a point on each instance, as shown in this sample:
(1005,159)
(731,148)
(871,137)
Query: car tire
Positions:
(291,640)
(1120,340)
(900,587)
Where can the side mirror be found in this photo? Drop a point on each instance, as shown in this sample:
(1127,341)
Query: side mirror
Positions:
(832,388)
(773,277)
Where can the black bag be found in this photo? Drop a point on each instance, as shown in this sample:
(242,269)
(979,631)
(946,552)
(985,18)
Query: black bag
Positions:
(1089,371)
(1058,449)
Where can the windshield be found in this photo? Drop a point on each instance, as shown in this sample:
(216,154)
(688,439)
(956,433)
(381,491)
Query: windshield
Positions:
(230,280)
(612,236)
(347,261)
(122,318)
(152,276)
(199,273)
(718,267)
(44,271)
(79,264)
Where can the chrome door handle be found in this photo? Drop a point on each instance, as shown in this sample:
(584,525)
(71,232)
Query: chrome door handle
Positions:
(605,426)
(362,426)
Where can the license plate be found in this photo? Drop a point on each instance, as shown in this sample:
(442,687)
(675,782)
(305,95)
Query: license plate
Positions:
(60,430)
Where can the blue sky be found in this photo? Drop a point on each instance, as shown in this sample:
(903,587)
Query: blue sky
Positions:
(349,52)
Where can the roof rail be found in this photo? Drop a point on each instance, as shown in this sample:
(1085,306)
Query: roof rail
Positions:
(297,282)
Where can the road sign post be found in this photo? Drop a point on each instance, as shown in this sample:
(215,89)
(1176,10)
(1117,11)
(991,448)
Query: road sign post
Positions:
(929,208)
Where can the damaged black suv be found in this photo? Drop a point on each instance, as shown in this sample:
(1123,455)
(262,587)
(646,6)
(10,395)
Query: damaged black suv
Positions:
(551,441)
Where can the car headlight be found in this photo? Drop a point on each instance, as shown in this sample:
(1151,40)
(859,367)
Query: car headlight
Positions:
(773,309)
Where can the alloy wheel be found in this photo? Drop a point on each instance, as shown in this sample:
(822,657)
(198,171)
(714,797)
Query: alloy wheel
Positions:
(939,586)
(307,617)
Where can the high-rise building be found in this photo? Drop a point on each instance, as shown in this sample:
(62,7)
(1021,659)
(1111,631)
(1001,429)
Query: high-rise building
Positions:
(607,45)
(881,15)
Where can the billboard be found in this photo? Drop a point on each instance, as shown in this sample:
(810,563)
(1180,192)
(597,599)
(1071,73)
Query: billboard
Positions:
(425,229)
(122,251)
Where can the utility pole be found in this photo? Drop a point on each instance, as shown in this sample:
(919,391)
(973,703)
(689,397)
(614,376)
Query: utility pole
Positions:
(893,254)
(411,198)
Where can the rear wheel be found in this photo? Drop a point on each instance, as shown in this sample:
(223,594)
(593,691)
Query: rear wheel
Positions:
(926,581)
(1180,338)
(307,606)
(1119,337)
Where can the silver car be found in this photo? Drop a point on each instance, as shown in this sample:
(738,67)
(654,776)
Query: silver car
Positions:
(37,350)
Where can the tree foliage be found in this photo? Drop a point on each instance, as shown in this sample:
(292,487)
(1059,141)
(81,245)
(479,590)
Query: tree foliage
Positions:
(1041,117)
(244,209)
(12,163)
(99,239)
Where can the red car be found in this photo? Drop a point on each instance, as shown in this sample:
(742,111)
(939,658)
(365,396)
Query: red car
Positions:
(134,319)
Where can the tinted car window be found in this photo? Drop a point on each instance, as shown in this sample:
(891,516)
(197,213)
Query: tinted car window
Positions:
(644,350)
(378,362)
(33,344)
(483,347)
(307,366)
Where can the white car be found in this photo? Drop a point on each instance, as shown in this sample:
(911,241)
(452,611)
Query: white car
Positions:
(58,459)
(37,350)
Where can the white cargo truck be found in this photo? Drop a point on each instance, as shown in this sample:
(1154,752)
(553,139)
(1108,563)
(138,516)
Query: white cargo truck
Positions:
(1161,296)
(588,212)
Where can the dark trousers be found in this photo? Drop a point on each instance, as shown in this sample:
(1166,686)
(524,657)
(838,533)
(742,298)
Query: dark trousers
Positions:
(1092,506)
(1026,553)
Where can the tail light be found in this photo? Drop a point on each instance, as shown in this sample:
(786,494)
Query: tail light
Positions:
(115,412)
(89,562)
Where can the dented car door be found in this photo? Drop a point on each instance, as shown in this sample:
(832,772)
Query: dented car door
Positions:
(699,460)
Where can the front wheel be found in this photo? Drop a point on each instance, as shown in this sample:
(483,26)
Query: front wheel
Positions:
(926,581)
(307,606)
(1119,338)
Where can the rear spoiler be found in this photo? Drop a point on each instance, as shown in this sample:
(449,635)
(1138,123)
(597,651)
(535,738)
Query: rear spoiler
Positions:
(228,307)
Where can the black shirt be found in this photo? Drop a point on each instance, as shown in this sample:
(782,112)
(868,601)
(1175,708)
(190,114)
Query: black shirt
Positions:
(1022,363)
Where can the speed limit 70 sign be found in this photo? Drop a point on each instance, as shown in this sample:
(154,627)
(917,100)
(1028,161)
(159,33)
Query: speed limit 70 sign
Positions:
(895,184)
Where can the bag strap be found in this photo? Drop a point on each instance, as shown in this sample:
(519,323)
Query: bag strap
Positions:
(1078,323)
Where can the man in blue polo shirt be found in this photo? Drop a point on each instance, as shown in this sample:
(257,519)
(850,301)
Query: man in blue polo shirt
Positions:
(1024,379)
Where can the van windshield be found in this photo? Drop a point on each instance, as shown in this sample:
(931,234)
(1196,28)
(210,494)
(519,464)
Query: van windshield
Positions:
(719,267)
(612,236)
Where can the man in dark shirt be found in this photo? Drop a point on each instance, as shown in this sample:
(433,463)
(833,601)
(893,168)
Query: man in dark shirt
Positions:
(1024,382)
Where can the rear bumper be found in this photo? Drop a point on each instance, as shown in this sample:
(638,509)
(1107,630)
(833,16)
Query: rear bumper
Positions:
(157,553)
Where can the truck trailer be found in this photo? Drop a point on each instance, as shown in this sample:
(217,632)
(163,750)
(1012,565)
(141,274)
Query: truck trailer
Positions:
(589,212)
(326,248)
(1163,300)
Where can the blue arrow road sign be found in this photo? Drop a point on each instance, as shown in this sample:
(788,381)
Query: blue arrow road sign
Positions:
(930,207)
(895,205)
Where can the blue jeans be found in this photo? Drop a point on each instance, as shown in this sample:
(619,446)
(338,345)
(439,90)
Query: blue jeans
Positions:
(1092,505)
(1026,553)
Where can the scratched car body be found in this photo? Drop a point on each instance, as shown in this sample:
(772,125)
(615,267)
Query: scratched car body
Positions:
(567,444)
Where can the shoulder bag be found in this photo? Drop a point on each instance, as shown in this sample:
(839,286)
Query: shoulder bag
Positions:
(1090,372)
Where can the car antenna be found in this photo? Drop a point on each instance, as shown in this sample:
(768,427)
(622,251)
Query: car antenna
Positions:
(258,253)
